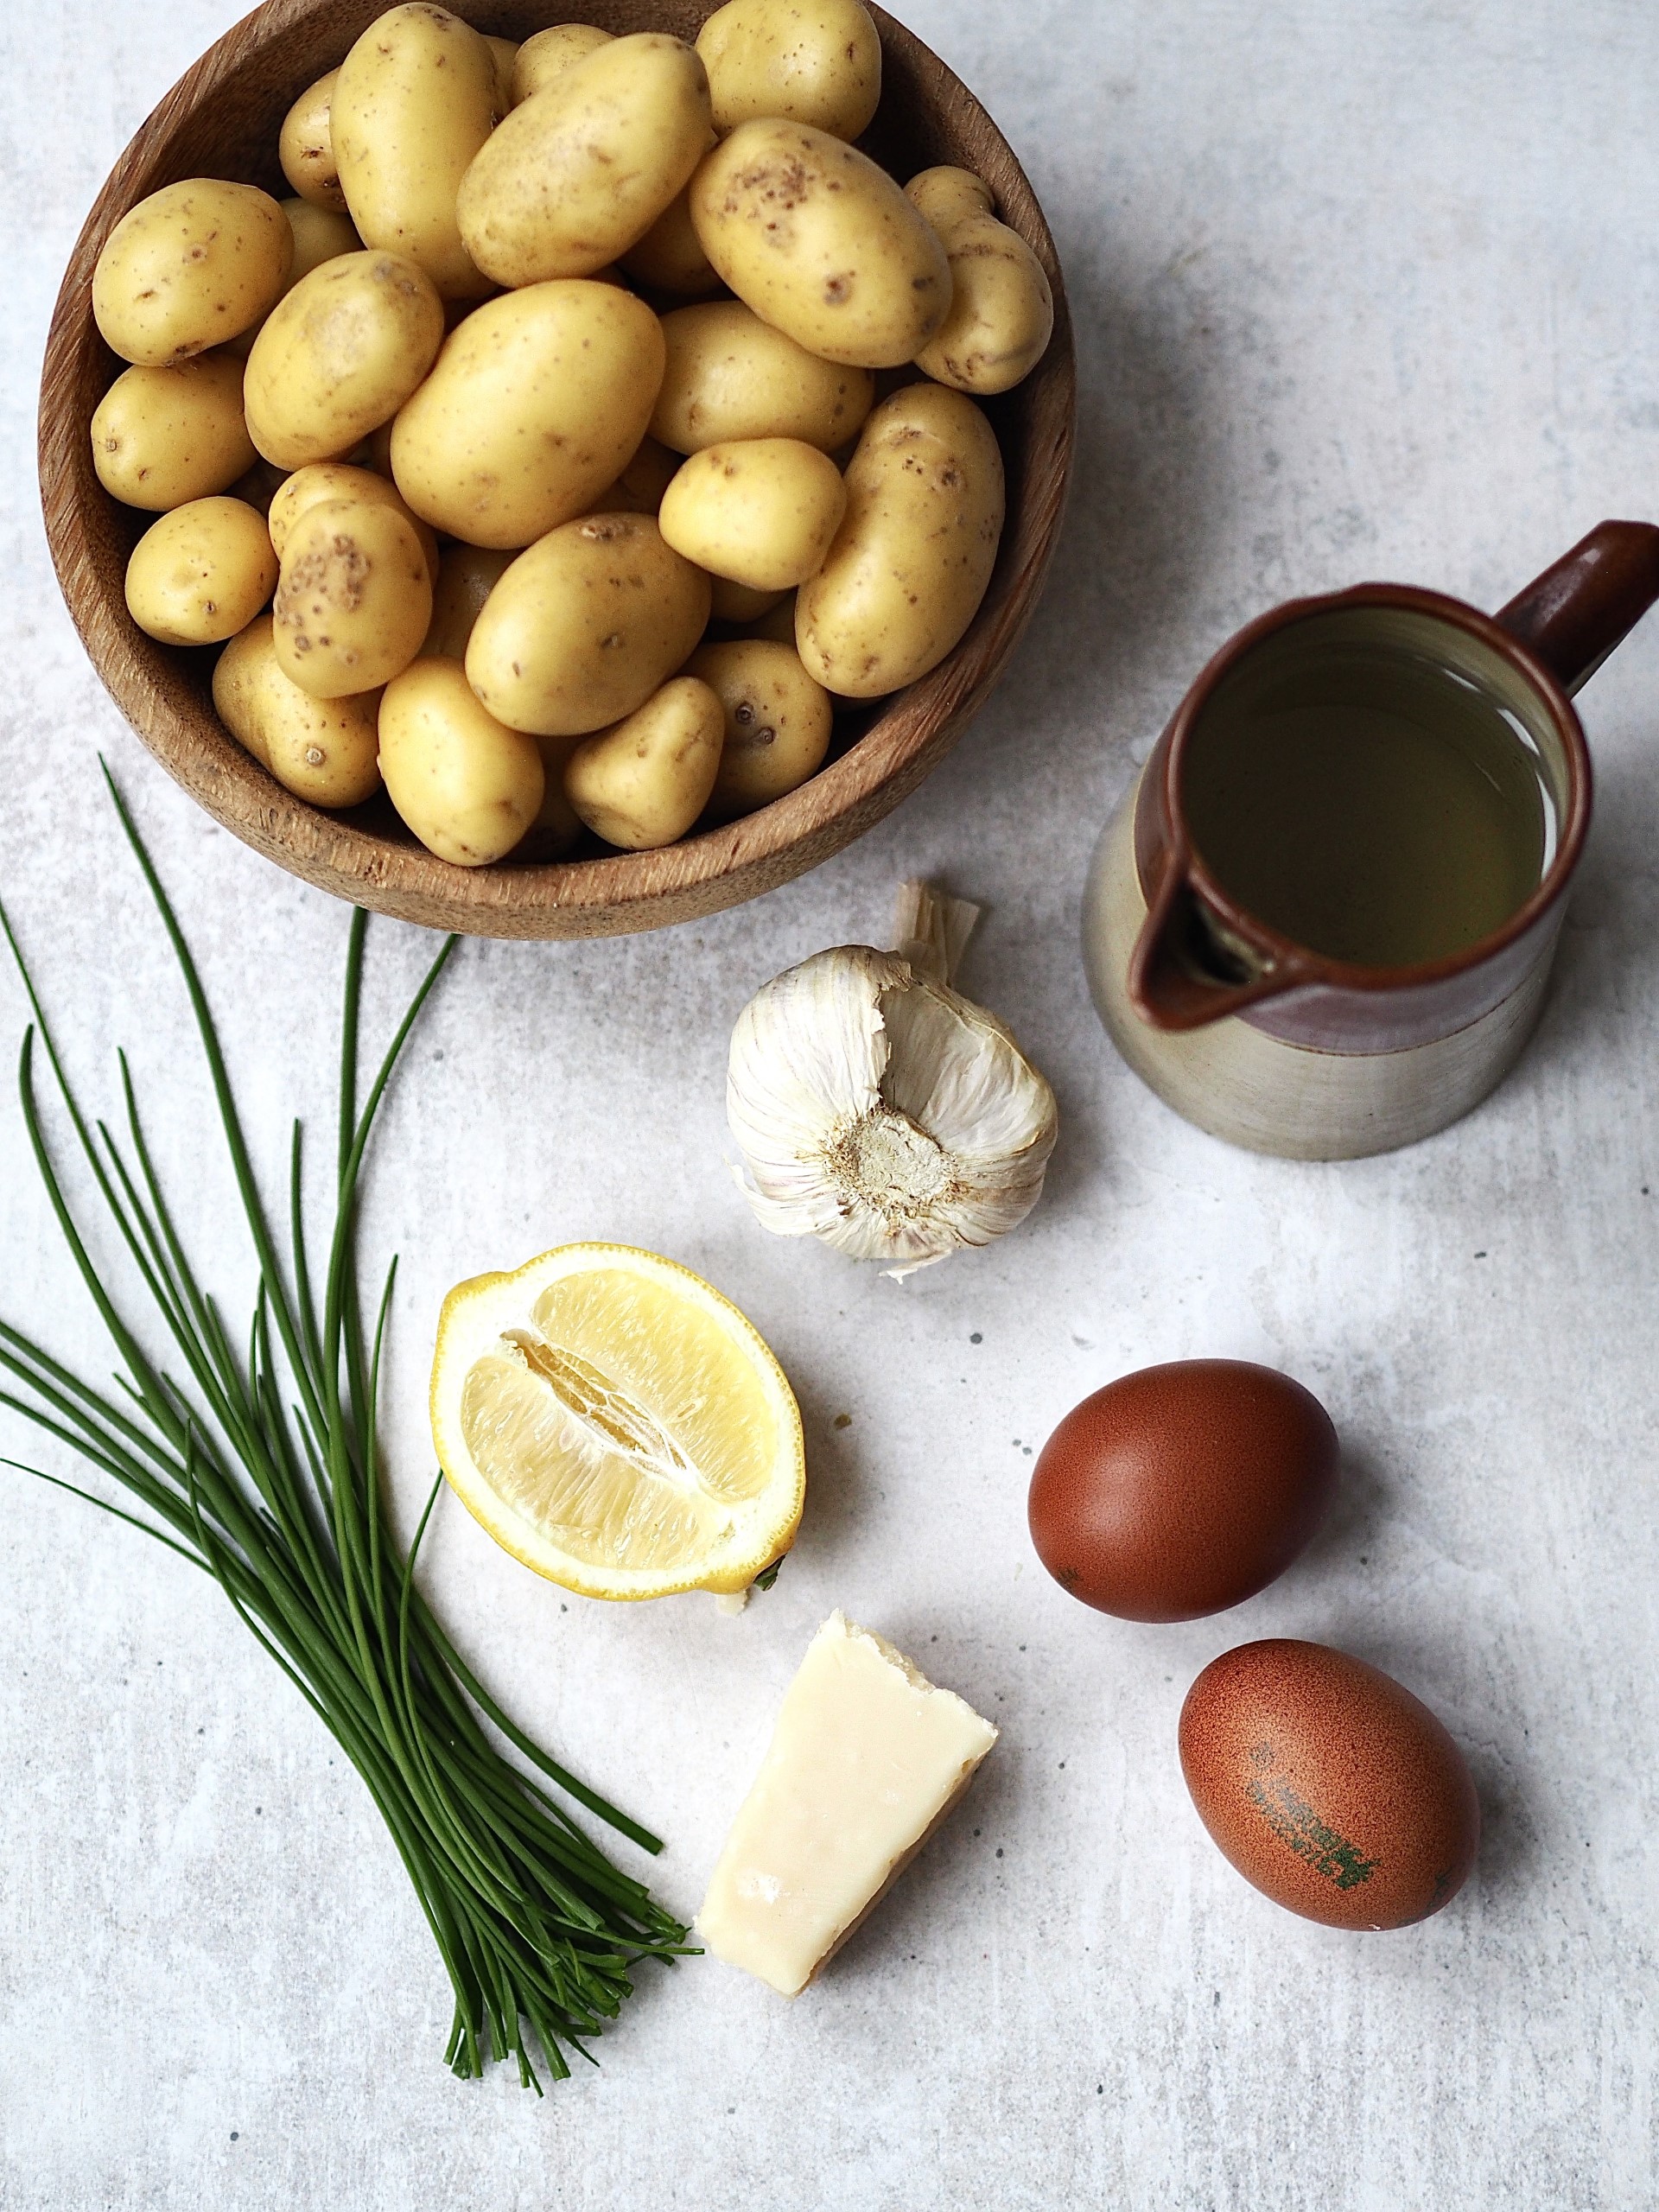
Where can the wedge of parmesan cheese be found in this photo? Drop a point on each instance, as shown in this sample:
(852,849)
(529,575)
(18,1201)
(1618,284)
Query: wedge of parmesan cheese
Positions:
(865,1760)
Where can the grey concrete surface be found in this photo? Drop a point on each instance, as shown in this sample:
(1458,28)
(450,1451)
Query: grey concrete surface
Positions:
(1364,288)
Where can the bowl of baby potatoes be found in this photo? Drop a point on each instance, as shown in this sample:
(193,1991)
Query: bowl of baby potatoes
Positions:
(545,479)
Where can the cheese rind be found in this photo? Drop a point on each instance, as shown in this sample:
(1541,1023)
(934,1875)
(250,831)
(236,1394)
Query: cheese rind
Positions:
(866,1758)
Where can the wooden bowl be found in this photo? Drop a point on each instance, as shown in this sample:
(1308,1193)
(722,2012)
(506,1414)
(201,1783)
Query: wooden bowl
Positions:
(221,119)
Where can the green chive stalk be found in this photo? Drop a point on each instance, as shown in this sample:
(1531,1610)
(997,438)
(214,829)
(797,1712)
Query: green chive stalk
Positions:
(255,1458)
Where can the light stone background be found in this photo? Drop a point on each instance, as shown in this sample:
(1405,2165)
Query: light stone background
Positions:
(1363,287)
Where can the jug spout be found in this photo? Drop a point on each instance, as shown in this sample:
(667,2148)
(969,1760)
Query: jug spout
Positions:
(1573,615)
(1188,968)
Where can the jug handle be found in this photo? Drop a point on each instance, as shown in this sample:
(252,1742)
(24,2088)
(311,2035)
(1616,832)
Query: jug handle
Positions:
(1573,615)
(1183,974)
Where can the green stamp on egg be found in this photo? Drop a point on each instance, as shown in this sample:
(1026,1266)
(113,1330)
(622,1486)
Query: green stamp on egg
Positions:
(1293,1821)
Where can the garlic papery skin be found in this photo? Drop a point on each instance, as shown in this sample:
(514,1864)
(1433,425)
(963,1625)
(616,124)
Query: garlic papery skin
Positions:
(879,1110)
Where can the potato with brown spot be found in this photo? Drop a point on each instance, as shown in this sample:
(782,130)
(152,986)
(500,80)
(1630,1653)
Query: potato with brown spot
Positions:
(339,356)
(535,404)
(201,573)
(414,101)
(821,242)
(163,437)
(816,61)
(759,512)
(777,721)
(322,750)
(547,55)
(584,626)
(467,576)
(727,374)
(468,787)
(909,565)
(643,783)
(354,599)
(579,172)
(191,266)
(306,147)
(1002,308)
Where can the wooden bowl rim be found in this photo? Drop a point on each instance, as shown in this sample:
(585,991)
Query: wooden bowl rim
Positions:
(618,892)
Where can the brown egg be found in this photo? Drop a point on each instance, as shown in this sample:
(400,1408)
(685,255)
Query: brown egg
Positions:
(1182,1489)
(1328,1785)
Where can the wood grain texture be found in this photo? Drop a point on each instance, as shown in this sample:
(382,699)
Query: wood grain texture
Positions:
(222,118)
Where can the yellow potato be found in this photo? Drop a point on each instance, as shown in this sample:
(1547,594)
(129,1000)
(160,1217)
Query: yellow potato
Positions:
(736,603)
(761,512)
(822,243)
(580,172)
(414,102)
(729,375)
(669,258)
(306,147)
(583,627)
(192,265)
(323,750)
(201,573)
(816,61)
(535,404)
(161,436)
(354,599)
(547,55)
(504,53)
(643,782)
(914,553)
(339,356)
(260,485)
(1002,309)
(778,623)
(468,787)
(638,490)
(776,721)
(467,576)
(335,480)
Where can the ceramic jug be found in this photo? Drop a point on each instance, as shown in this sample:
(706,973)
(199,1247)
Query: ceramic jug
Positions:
(1280,1046)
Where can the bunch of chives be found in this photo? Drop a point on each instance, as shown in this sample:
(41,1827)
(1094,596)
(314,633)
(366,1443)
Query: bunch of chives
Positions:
(255,1460)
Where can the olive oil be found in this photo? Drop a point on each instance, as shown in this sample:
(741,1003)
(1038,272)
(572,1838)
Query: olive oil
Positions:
(1367,804)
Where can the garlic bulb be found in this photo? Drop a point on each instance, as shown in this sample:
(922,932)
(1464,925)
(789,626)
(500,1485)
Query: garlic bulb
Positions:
(880,1110)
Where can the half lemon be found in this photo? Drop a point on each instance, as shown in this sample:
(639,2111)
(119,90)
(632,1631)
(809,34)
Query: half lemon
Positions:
(617,1424)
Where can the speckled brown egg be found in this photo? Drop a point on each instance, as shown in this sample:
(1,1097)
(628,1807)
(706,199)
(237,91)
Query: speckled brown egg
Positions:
(1328,1785)
(1182,1489)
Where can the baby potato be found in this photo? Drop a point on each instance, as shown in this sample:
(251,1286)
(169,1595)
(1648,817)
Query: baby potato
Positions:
(467,576)
(638,490)
(579,173)
(201,573)
(467,786)
(538,400)
(761,513)
(914,553)
(583,627)
(777,721)
(557,825)
(736,603)
(816,61)
(335,480)
(414,101)
(306,147)
(1002,309)
(259,486)
(822,243)
(547,55)
(195,263)
(354,599)
(643,782)
(729,375)
(669,258)
(162,437)
(322,750)
(339,356)
(504,52)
